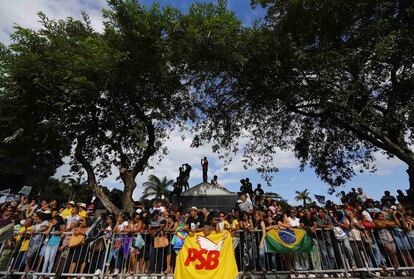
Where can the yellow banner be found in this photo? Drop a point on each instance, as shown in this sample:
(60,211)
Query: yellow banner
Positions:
(205,257)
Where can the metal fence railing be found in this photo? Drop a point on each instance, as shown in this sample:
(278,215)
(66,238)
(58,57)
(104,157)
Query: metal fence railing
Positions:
(104,254)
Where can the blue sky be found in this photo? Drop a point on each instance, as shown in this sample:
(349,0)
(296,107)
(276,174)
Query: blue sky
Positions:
(390,176)
(242,8)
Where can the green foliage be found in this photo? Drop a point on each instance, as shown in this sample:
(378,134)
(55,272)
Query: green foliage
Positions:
(62,190)
(303,196)
(30,150)
(349,82)
(113,96)
(332,80)
(156,188)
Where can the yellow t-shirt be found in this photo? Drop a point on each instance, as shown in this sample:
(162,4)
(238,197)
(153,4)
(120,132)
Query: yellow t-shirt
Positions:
(66,213)
(83,213)
(233,225)
(25,243)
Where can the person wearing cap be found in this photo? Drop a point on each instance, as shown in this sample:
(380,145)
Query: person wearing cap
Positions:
(82,210)
(68,210)
(195,222)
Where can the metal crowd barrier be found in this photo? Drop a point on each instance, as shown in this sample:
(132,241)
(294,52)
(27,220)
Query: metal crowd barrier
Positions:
(103,255)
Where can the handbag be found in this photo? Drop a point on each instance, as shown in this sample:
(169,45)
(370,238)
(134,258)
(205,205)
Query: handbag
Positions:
(76,240)
(138,242)
(339,233)
(160,242)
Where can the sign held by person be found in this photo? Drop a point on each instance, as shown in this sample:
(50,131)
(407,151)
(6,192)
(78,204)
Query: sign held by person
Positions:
(209,256)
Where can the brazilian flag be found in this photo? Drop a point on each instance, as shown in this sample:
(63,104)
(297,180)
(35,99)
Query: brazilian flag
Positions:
(288,241)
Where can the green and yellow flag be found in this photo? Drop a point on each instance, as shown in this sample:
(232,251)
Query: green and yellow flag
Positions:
(288,241)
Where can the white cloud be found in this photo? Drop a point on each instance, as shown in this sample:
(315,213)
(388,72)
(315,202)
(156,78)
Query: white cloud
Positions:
(386,166)
(24,13)
(180,152)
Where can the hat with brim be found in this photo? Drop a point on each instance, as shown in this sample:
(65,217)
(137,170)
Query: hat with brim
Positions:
(193,208)
(71,203)
(81,204)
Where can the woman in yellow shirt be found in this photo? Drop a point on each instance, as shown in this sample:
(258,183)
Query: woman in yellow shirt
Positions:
(68,210)
(82,210)
(24,237)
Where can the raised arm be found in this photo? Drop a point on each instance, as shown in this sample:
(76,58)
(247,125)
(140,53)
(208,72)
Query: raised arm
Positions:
(263,229)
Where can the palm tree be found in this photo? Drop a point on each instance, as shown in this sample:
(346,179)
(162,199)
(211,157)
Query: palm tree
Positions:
(156,187)
(303,196)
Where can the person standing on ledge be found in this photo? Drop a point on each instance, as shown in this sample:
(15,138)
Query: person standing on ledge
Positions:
(186,176)
(204,165)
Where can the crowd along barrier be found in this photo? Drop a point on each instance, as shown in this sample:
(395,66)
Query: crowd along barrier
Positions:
(102,255)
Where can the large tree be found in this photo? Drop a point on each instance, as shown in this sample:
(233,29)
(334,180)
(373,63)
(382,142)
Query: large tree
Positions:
(112,97)
(333,80)
(349,80)
(30,152)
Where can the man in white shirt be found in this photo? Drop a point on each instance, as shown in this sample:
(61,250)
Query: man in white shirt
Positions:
(73,219)
(293,220)
(361,196)
(364,213)
(157,207)
(245,205)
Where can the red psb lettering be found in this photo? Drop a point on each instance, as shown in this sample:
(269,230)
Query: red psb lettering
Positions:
(208,259)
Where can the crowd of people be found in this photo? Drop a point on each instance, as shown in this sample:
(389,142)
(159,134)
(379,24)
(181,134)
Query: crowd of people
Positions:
(51,237)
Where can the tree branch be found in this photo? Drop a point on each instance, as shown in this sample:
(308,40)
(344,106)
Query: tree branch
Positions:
(81,140)
(367,133)
(150,148)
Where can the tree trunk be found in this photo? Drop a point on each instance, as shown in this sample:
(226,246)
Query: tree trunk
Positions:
(129,187)
(410,172)
(92,178)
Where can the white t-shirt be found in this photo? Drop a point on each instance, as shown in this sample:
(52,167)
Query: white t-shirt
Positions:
(121,227)
(161,209)
(294,222)
(71,219)
(362,197)
(42,226)
(367,215)
(221,226)
(246,206)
